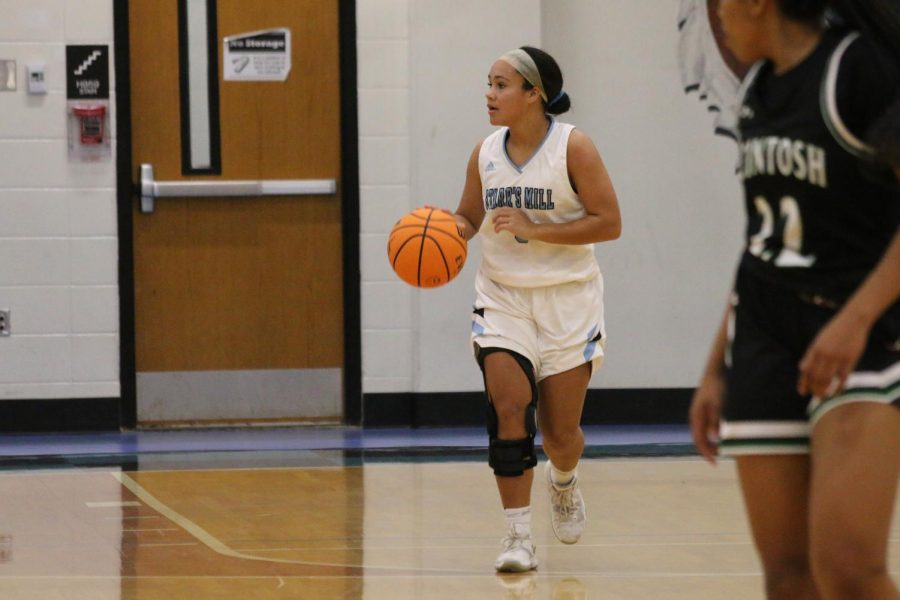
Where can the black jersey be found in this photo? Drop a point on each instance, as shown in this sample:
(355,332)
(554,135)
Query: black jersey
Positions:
(817,221)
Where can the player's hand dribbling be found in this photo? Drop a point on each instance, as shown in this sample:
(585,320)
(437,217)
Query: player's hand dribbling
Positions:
(832,356)
(706,408)
(466,230)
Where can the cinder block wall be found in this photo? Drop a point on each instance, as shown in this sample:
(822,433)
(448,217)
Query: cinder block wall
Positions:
(58,245)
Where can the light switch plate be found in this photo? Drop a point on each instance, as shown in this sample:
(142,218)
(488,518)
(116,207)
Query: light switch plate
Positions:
(36,78)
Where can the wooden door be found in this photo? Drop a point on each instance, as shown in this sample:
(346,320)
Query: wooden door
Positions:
(238,301)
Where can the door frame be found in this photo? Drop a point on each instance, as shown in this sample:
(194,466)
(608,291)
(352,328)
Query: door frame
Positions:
(349,190)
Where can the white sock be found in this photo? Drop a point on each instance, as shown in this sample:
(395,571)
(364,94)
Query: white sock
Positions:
(562,479)
(519,519)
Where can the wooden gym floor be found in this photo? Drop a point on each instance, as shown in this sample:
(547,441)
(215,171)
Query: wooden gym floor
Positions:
(386,523)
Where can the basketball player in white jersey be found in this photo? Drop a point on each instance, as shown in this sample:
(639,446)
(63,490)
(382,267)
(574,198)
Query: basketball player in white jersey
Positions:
(538,193)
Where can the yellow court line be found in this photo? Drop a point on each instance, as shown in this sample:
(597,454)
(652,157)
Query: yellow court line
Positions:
(217,546)
(195,530)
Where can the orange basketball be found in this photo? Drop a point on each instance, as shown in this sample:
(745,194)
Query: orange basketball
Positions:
(425,248)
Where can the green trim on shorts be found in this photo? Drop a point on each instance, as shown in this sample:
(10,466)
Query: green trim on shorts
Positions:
(846,400)
(878,395)
(888,394)
(775,445)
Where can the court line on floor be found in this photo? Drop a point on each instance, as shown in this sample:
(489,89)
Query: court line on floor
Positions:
(476,546)
(219,547)
(155,544)
(573,547)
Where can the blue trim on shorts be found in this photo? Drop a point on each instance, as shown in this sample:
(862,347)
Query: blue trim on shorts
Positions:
(591,345)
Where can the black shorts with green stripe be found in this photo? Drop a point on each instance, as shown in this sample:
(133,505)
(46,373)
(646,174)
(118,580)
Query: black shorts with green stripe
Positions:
(770,330)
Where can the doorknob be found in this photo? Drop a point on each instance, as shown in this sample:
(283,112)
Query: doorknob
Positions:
(152,189)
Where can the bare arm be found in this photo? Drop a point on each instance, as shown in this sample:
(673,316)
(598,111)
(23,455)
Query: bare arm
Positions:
(470,212)
(715,363)
(589,177)
(834,352)
(880,289)
(706,405)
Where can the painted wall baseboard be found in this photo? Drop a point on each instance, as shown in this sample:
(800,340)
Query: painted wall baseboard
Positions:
(455,409)
(72,414)
(439,409)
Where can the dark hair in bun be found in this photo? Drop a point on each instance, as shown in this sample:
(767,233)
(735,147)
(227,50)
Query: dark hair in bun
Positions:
(558,101)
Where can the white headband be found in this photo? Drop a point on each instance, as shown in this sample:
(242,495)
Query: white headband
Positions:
(522,62)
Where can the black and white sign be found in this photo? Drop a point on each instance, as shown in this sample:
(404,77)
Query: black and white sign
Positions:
(87,72)
(258,55)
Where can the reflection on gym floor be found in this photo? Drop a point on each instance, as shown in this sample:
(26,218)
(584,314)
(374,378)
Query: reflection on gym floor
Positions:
(422,521)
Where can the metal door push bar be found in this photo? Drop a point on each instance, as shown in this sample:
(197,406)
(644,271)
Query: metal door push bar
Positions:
(151,189)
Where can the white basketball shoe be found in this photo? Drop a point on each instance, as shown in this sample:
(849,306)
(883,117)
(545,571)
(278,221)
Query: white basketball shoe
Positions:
(566,509)
(518,552)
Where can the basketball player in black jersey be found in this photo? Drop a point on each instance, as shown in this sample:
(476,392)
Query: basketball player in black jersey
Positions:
(803,382)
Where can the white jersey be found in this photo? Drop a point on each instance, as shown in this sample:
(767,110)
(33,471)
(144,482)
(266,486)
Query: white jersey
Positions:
(541,188)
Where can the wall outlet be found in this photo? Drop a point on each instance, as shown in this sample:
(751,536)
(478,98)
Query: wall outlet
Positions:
(5,326)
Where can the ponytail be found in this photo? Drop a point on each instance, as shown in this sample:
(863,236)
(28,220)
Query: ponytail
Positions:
(557,101)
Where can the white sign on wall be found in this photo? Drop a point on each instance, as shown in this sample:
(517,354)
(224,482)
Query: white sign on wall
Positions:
(258,55)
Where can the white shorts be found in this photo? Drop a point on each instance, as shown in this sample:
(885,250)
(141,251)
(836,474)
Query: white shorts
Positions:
(556,327)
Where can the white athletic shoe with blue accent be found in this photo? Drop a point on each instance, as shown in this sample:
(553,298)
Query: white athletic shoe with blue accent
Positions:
(518,552)
(567,514)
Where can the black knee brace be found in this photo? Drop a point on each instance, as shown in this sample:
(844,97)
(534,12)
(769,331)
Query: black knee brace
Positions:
(510,458)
